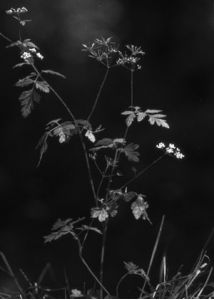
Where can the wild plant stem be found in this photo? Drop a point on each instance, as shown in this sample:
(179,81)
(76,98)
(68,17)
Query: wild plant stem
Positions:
(132,87)
(88,267)
(153,255)
(119,282)
(11,273)
(142,172)
(79,132)
(102,258)
(98,94)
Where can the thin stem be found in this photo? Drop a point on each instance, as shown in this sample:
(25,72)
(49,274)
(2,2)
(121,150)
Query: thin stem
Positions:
(98,94)
(88,267)
(142,172)
(132,87)
(153,255)
(80,135)
(103,255)
(10,271)
(119,282)
(88,167)
(56,94)
(101,181)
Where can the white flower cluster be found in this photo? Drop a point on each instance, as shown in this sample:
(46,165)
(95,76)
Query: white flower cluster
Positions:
(171,149)
(19,10)
(26,55)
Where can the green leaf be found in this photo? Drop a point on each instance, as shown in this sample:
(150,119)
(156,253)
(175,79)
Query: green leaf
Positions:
(131,153)
(153,119)
(27,99)
(42,86)
(43,146)
(19,65)
(153,111)
(141,116)
(24,82)
(104,142)
(28,44)
(15,44)
(53,73)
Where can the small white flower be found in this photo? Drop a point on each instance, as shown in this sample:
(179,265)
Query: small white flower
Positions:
(39,55)
(179,155)
(172,146)
(26,55)
(10,11)
(169,150)
(89,134)
(161,145)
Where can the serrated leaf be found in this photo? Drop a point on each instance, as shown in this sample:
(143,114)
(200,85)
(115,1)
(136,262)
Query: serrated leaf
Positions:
(131,153)
(130,119)
(141,116)
(27,99)
(158,121)
(42,86)
(131,267)
(53,73)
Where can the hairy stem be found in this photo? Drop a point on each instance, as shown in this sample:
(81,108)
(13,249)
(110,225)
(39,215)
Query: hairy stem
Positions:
(98,94)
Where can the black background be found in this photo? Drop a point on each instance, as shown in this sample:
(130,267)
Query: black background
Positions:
(177,76)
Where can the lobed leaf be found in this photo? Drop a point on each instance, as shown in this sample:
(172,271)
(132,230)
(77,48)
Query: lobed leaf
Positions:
(131,153)
(42,86)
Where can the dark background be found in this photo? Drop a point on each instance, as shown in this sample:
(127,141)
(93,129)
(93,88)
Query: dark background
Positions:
(177,76)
